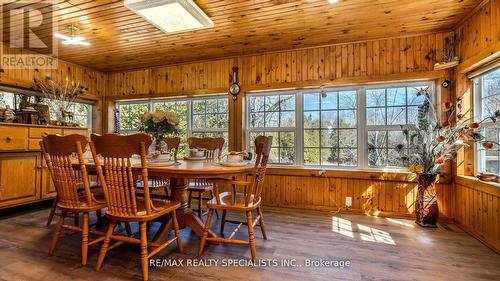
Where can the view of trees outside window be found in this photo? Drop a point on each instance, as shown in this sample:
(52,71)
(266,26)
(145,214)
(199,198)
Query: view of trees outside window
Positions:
(330,134)
(386,110)
(488,93)
(336,127)
(199,117)
(274,115)
(210,118)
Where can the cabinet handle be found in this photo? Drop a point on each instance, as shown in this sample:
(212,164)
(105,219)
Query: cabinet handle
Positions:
(8,139)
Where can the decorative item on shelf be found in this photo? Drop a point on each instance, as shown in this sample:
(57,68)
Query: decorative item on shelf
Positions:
(159,124)
(433,142)
(9,114)
(63,96)
(488,177)
(43,111)
(235,88)
(449,58)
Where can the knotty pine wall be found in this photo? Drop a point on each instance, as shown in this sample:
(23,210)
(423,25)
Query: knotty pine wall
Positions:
(94,80)
(477,203)
(386,60)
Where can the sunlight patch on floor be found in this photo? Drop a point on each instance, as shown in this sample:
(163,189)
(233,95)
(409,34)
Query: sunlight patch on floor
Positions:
(400,222)
(363,232)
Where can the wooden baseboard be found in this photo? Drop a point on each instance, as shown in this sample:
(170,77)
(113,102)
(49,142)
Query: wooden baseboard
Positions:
(493,245)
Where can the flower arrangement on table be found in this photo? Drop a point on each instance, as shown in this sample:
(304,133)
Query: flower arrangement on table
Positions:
(159,124)
(434,142)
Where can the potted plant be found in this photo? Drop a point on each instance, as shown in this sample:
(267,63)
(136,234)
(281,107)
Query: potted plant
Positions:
(434,142)
(159,124)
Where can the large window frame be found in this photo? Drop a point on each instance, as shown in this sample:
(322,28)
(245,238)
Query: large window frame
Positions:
(190,129)
(480,153)
(361,126)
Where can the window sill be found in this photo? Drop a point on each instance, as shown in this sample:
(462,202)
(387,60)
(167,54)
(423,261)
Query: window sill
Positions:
(475,183)
(365,174)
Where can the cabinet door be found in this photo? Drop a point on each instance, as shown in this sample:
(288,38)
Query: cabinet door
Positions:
(19,173)
(48,187)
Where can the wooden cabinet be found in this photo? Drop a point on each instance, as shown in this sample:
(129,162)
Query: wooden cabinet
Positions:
(19,174)
(12,138)
(24,177)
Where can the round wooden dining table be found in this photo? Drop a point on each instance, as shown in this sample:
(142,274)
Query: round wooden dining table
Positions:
(179,174)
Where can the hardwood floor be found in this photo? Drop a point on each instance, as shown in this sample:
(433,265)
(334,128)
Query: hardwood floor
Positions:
(377,248)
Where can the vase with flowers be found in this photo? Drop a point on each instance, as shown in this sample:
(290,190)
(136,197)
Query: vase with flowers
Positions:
(159,124)
(434,142)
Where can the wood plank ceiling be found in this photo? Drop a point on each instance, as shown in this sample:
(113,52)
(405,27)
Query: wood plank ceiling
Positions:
(122,40)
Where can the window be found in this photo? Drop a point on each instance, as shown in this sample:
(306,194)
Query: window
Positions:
(487,95)
(128,116)
(200,116)
(274,115)
(82,111)
(387,108)
(210,117)
(336,127)
(330,128)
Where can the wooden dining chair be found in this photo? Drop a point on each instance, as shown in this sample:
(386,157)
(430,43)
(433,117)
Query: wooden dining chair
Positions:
(57,152)
(172,146)
(159,186)
(247,201)
(94,185)
(124,205)
(213,146)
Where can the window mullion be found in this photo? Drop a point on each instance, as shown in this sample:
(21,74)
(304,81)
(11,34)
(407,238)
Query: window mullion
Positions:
(362,132)
(299,128)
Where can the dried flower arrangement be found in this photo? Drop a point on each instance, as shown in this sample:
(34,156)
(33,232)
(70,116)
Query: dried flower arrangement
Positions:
(159,124)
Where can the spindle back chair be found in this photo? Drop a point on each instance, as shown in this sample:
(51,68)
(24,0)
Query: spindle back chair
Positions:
(246,202)
(117,175)
(58,153)
(213,148)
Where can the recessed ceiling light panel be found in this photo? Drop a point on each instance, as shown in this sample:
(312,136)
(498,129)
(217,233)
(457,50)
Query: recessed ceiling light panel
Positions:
(171,16)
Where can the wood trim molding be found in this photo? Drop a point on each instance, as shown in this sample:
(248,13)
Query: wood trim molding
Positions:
(397,176)
(486,56)
(474,183)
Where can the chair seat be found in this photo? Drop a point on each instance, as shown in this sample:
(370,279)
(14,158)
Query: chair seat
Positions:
(162,207)
(196,186)
(83,206)
(226,202)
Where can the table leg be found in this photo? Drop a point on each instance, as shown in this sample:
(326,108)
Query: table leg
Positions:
(185,216)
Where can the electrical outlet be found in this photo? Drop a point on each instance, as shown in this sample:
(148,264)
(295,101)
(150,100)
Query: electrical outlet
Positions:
(348,202)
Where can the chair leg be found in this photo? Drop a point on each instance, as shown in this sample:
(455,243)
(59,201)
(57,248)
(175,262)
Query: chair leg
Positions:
(205,232)
(144,250)
(52,212)
(105,245)
(189,199)
(85,237)
(223,222)
(212,197)
(177,232)
(251,238)
(57,233)
(200,202)
(261,222)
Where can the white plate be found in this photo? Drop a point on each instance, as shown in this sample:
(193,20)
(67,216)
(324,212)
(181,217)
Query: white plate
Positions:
(195,158)
(234,164)
(162,163)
